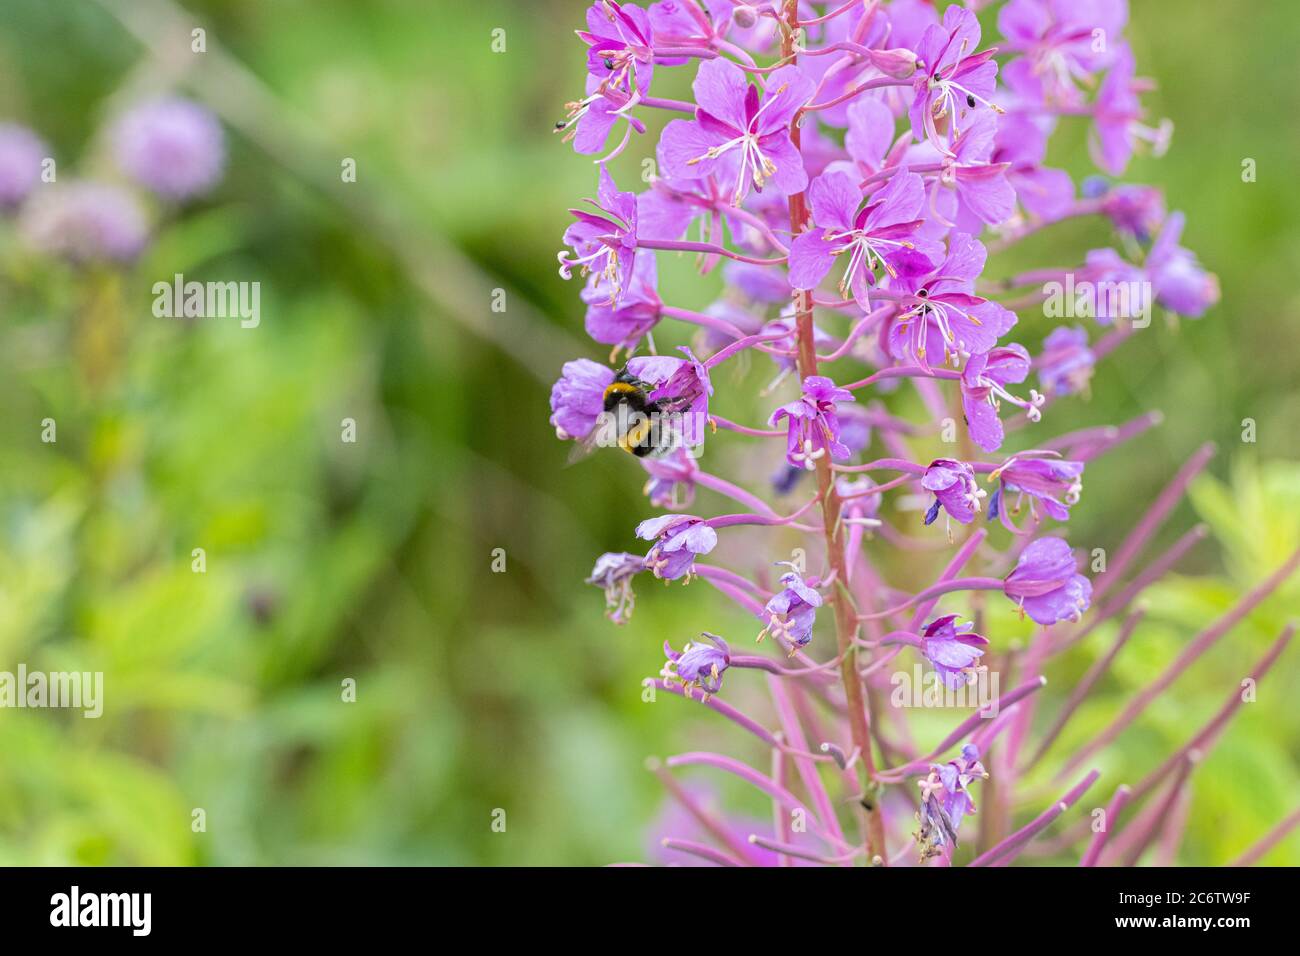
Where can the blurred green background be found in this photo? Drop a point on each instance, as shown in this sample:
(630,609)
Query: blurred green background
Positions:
(373,561)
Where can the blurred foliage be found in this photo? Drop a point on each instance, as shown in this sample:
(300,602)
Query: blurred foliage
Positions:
(372,560)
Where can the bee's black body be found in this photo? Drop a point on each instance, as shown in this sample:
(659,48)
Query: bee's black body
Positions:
(629,398)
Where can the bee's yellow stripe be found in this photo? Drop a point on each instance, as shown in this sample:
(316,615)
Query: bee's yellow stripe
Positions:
(619,387)
(635,436)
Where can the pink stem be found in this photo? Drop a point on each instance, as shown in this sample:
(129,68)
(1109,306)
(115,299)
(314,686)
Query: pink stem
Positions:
(1154,518)
(1117,803)
(1008,849)
(1202,643)
(1084,687)
(896,774)
(1270,840)
(1206,737)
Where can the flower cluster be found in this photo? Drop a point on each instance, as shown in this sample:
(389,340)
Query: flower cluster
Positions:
(173,148)
(849,169)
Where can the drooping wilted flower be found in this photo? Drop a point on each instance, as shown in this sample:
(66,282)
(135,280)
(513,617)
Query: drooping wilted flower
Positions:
(698,665)
(946,800)
(614,573)
(791,612)
(812,428)
(1045,583)
(953,653)
(954,488)
(171,146)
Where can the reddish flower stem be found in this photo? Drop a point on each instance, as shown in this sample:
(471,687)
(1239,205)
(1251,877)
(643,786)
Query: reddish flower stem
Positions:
(846,625)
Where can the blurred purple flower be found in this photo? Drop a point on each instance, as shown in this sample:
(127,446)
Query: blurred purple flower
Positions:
(85,222)
(21,154)
(173,147)
(1065,364)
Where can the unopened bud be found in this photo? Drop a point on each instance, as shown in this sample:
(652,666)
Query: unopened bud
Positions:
(744,16)
(899,63)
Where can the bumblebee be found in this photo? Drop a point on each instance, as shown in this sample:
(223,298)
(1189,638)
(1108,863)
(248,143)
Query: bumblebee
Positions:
(639,425)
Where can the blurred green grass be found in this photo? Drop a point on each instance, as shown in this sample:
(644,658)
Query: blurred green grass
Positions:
(326,561)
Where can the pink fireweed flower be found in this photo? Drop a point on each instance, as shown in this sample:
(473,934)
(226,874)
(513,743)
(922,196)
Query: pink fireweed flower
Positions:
(983,389)
(741,136)
(588,121)
(880,234)
(613,573)
(1059,41)
(688,386)
(954,488)
(671,484)
(620,48)
(678,540)
(981,185)
(604,242)
(954,81)
(698,665)
(578,398)
(624,325)
(812,428)
(953,653)
(1065,365)
(1045,583)
(941,313)
(1117,119)
(1022,144)
(1177,279)
(791,612)
(945,801)
(1054,483)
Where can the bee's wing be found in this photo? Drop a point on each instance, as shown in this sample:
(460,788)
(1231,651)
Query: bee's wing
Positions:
(605,433)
